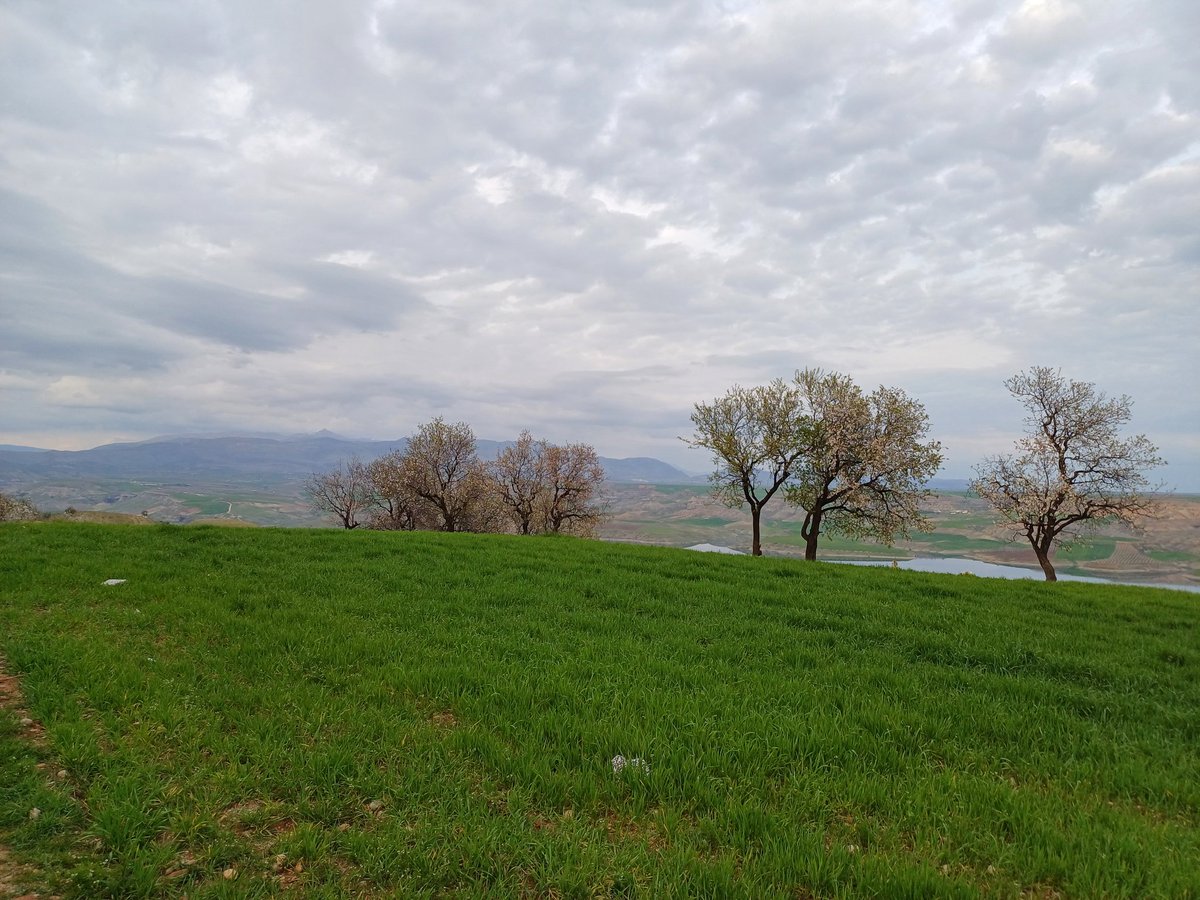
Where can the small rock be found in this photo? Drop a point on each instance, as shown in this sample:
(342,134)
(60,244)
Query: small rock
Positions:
(345,826)
(375,805)
(62,773)
(991,870)
(26,722)
(35,813)
(111,581)
(277,864)
(229,874)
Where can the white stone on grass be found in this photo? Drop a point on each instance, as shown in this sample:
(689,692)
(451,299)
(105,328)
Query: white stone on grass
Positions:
(637,764)
(715,548)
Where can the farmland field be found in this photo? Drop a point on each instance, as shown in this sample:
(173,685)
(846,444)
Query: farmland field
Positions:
(368,714)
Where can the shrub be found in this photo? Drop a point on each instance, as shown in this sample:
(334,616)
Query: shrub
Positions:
(17,509)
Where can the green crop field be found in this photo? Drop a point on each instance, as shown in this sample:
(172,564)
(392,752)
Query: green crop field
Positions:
(946,542)
(341,714)
(1087,550)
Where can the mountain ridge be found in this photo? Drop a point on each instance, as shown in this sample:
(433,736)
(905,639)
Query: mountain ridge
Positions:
(249,455)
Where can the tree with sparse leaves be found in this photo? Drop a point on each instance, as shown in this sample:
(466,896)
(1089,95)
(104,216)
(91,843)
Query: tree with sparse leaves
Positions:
(443,473)
(756,436)
(863,474)
(393,507)
(1073,470)
(516,475)
(572,476)
(543,487)
(343,492)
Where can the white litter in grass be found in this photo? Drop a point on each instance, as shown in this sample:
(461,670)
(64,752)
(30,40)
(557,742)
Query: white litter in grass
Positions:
(111,581)
(637,764)
(714,548)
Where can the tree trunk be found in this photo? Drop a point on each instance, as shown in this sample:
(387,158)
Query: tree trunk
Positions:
(1043,558)
(811,532)
(756,544)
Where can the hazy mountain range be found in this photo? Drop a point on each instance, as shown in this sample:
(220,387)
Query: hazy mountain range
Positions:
(265,456)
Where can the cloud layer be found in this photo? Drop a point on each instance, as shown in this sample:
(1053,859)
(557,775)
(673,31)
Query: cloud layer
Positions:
(583,218)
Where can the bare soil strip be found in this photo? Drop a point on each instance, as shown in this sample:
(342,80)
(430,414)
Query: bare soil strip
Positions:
(19,880)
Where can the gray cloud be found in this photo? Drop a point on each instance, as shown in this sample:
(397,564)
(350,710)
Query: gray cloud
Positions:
(585,218)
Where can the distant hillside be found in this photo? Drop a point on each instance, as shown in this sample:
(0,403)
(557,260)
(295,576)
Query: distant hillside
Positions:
(251,456)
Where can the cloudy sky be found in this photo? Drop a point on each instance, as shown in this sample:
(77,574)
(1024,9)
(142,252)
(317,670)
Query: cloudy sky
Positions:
(582,218)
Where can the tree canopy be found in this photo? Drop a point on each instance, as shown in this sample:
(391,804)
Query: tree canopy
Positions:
(1073,470)
(438,482)
(856,463)
(544,487)
(864,472)
(756,435)
(344,492)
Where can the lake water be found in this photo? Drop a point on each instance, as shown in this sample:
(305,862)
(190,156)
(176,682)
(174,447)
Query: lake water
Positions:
(954,566)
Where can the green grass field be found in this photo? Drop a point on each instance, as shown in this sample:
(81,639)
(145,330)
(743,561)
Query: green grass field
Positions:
(371,714)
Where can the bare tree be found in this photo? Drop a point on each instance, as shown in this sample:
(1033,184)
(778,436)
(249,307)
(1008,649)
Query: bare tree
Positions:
(342,492)
(1072,471)
(864,473)
(543,487)
(756,436)
(442,469)
(572,476)
(517,478)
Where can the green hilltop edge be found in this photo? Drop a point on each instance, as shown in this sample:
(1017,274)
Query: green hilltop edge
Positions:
(257,711)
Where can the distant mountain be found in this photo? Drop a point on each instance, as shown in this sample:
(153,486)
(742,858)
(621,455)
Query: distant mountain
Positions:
(193,457)
(18,448)
(645,469)
(241,456)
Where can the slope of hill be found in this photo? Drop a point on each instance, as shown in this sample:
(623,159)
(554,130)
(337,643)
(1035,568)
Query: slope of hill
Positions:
(368,714)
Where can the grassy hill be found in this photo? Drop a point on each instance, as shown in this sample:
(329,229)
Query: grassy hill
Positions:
(361,714)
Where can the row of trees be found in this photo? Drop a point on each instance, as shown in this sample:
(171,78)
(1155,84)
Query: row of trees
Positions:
(439,483)
(857,464)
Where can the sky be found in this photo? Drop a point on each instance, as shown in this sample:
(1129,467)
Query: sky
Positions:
(583,218)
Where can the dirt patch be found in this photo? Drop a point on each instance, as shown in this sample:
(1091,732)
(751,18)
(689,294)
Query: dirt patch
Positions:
(18,880)
(13,700)
(444,719)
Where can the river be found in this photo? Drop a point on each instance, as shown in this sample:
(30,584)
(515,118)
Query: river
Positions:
(955,566)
